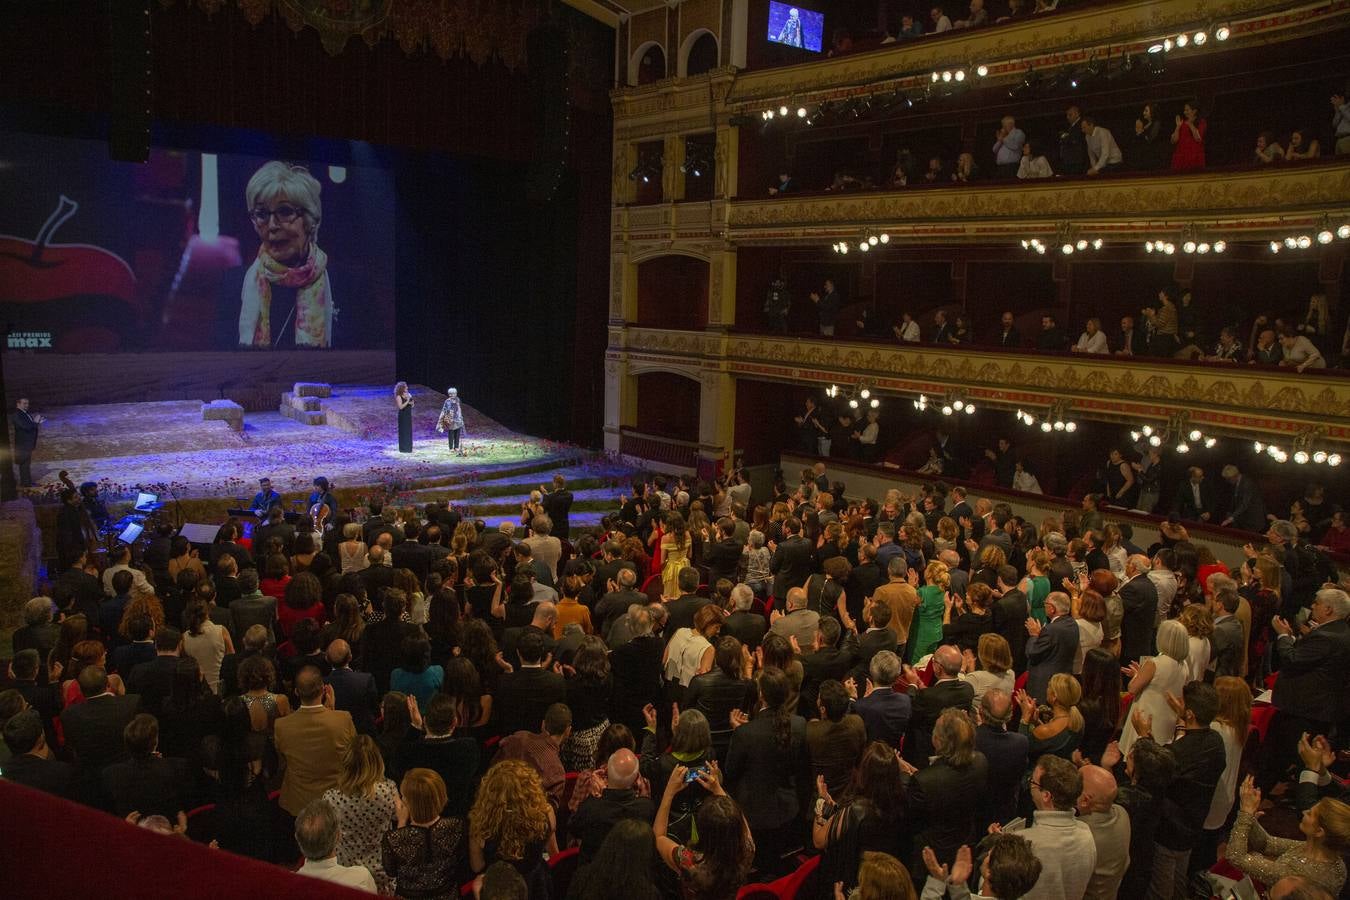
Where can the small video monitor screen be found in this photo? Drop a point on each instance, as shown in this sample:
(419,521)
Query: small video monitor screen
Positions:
(796,26)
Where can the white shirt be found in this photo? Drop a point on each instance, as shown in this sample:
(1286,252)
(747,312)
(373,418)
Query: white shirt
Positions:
(1093,343)
(943,24)
(909,332)
(1102,149)
(1025,481)
(1166,583)
(1067,851)
(1226,790)
(1034,167)
(357,877)
(138,583)
(869,434)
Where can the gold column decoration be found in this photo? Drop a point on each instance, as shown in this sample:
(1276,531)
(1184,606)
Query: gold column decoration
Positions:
(725,162)
(722,288)
(672,171)
(716,416)
(625,160)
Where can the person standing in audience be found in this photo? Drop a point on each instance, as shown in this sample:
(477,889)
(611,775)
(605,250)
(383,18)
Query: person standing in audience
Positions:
(311,742)
(828,304)
(871,820)
(317,833)
(1062,842)
(1052,647)
(1103,154)
(512,821)
(366,804)
(947,794)
(424,854)
(1073,158)
(1188,139)
(1008,153)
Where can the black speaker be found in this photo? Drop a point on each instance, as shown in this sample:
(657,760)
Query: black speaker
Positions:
(129,80)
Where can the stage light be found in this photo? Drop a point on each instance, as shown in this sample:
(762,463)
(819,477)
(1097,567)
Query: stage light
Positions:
(1097,244)
(1301,457)
(982,71)
(1071,426)
(1046,426)
(1343,232)
(1210,442)
(1040,248)
(1320,457)
(1134,436)
(864,393)
(843,248)
(832,390)
(1155,441)
(769,114)
(1183,40)
(1059,425)
(1081,245)
(1148,246)
(1195,434)
(1066,249)
(1282,457)
(1183,447)
(1274,246)
(1188,247)
(1155,48)
(1304,242)
(947,76)
(783,110)
(801,112)
(1220,246)
(947,410)
(1202,248)
(875,403)
(1167,45)
(872,241)
(1170,248)
(1273,451)
(970,409)
(853,404)
(1222,33)
(936,77)
(337,174)
(959,405)
(1291,242)
(1258,446)
(1199,38)
(1334,459)
(960,75)
(1325,236)
(885,238)
(1147,430)
(864,246)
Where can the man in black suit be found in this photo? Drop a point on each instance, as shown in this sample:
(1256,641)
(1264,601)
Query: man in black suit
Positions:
(152,680)
(93,729)
(277,527)
(941,330)
(39,632)
(31,763)
(146,782)
(225,545)
(884,711)
(1195,497)
(127,657)
(1010,616)
(557,505)
(523,696)
(1007,752)
(378,575)
(865,578)
(636,667)
(1051,336)
(1133,341)
(541,624)
(376,524)
(1247,510)
(1311,693)
(722,556)
(1139,595)
(432,744)
(1052,646)
(681,611)
(622,593)
(382,642)
(743,623)
(226,579)
(879,636)
(253,643)
(793,560)
(1226,642)
(25,439)
(947,690)
(827,661)
(1009,338)
(353,692)
(412,554)
(77,590)
(618,801)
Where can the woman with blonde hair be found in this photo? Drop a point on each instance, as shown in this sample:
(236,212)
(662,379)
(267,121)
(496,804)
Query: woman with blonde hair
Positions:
(352,550)
(948,533)
(366,804)
(1199,624)
(1232,724)
(425,853)
(995,667)
(1317,858)
(926,630)
(1061,730)
(1113,545)
(1089,611)
(512,820)
(1152,679)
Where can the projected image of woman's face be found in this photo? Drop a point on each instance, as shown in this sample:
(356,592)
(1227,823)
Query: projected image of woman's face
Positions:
(281,227)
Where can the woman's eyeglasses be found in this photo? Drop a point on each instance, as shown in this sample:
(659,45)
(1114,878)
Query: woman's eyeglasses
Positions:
(285,213)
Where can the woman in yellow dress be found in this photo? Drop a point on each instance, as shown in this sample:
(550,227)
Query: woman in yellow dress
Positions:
(675,553)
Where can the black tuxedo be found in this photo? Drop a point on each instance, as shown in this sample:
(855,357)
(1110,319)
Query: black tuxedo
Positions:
(636,665)
(355,692)
(558,505)
(93,732)
(1139,596)
(944,802)
(1315,673)
(157,786)
(455,759)
(25,442)
(511,640)
(597,815)
(382,648)
(722,558)
(1010,339)
(152,680)
(928,705)
(862,582)
(872,642)
(747,627)
(611,606)
(821,666)
(1010,621)
(768,781)
(1051,652)
(240,553)
(793,562)
(50,776)
(1007,752)
(680,613)
(1185,507)
(83,588)
(523,696)
(1051,339)
(413,556)
(283,530)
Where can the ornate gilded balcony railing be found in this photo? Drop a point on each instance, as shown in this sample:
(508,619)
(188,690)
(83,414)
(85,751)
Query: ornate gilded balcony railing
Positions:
(1215,397)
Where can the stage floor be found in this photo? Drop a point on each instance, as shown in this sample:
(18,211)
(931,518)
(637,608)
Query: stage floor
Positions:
(166,448)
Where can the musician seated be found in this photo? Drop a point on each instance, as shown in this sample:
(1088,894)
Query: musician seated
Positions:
(93,505)
(265,499)
(322,494)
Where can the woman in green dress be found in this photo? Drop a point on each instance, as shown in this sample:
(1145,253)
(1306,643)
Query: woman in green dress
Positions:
(1037,583)
(926,632)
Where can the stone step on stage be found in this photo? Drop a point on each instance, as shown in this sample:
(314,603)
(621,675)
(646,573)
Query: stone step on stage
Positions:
(304,402)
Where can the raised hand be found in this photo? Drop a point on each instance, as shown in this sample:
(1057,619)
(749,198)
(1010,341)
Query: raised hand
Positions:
(935,868)
(963,866)
(737,718)
(1142,721)
(1111,755)
(1249,796)
(649,716)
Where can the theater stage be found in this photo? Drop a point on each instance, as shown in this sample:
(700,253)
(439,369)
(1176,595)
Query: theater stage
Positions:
(203,467)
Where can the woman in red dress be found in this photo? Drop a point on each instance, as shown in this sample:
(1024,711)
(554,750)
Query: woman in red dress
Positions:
(1188,139)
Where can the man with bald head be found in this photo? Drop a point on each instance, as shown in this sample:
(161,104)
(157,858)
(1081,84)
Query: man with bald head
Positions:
(545,615)
(312,741)
(946,690)
(353,692)
(798,622)
(1139,596)
(1007,752)
(619,800)
(1110,826)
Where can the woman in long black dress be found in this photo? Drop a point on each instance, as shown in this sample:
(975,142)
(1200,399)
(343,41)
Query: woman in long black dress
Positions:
(403,397)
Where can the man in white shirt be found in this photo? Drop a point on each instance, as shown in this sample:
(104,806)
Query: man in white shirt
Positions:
(908,329)
(1093,339)
(1008,147)
(867,437)
(120,557)
(1110,826)
(317,833)
(1300,353)
(1102,149)
(940,21)
(1165,580)
(1062,842)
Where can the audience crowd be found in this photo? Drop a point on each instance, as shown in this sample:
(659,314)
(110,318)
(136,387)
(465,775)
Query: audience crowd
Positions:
(931,694)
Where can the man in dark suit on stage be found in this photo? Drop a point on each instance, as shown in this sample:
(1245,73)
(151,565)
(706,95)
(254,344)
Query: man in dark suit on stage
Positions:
(25,439)
(557,505)
(1052,646)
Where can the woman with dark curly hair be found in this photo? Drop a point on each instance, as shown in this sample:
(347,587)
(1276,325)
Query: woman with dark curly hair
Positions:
(479,647)
(512,820)
(720,865)
(871,819)
(303,600)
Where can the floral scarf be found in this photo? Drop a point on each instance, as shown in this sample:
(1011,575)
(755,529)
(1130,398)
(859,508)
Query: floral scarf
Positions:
(313,300)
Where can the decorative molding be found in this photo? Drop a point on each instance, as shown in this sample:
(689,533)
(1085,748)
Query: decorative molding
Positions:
(1220,397)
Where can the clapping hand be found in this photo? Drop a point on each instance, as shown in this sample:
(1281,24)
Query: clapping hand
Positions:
(1111,755)
(963,866)
(1033,627)
(414,713)
(1028,705)
(1130,671)
(935,868)
(1142,722)
(1281,625)
(649,716)
(822,791)
(1249,796)
(737,718)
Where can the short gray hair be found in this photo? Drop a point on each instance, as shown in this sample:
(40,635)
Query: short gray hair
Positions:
(316,830)
(541,525)
(897,567)
(884,668)
(1230,471)
(295,183)
(756,539)
(1285,529)
(639,620)
(37,611)
(743,597)
(1056,544)
(627,578)
(1337,599)
(507,528)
